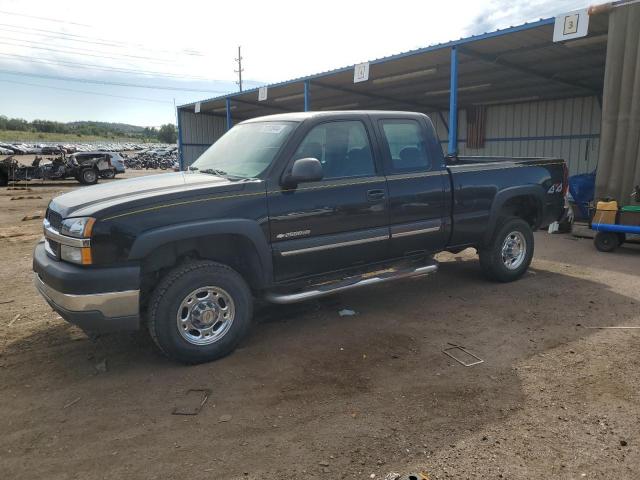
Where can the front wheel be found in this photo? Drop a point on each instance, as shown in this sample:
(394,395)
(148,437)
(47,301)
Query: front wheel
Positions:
(111,173)
(199,312)
(509,254)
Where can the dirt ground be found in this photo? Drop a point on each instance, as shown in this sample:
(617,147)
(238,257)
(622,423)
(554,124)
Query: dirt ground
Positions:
(314,395)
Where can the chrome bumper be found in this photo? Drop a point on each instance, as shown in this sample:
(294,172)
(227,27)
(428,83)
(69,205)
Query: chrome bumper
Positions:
(110,304)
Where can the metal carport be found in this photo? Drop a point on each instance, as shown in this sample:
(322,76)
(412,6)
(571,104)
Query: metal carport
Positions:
(539,97)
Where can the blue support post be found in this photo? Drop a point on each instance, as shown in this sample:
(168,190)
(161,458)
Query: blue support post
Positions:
(307,99)
(229,121)
(453,104)
(180,147)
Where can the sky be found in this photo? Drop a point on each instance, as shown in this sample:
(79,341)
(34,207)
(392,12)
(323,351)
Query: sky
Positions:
(131,61)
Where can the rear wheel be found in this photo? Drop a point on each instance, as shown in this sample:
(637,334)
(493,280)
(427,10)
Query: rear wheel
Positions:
(88,176)
(199,312)
(111,173)
(606,241)
(509,254)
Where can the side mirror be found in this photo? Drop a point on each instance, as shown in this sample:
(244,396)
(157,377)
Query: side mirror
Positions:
(304,170)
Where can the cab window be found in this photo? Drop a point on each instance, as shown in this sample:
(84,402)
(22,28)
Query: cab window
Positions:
(342,148)
(405,145)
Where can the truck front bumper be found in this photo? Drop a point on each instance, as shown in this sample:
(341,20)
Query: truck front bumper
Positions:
(88,307)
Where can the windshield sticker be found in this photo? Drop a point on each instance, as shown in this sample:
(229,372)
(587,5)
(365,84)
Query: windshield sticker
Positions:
(270,128)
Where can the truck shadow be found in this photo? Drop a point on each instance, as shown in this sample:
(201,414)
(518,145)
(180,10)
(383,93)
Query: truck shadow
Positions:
(362,387)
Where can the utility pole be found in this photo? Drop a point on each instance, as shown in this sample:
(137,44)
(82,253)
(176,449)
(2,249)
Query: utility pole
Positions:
(240,69)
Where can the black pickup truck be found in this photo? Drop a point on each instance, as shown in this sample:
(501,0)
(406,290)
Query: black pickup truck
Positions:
(285,208)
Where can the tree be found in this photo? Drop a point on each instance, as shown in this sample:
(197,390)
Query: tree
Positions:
(167,133)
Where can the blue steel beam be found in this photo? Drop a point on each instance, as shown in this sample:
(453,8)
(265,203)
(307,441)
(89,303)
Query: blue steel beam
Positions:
(307,99)
(453,104)
(229,121)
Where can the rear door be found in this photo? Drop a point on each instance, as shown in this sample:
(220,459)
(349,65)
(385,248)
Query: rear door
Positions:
(417,182)
(340,221)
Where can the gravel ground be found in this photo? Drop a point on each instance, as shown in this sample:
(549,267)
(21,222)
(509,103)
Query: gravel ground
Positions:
(314,395)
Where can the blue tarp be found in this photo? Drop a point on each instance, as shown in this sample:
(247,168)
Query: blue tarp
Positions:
(581,188)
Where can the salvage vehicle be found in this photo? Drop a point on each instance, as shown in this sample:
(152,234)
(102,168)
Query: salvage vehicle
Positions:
(113,158)
(52,150)
(86,171)
(285,208)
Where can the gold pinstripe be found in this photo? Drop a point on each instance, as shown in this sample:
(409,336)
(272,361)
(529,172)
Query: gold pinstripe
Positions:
(317,187)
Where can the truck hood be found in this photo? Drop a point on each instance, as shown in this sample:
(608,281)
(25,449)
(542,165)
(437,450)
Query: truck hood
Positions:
(88,200)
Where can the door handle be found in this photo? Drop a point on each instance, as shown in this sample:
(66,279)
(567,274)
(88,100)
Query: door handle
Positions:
(375,195)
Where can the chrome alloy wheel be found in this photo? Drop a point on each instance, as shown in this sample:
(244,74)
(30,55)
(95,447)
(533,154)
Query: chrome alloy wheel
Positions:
(205,315)
(514,250)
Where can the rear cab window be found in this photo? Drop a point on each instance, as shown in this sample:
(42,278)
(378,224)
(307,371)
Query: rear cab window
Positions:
(406,147)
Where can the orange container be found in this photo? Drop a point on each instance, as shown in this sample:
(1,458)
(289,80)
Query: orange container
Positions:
(606,212)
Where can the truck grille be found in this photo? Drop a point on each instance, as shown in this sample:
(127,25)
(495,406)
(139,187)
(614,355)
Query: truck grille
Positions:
(55,220)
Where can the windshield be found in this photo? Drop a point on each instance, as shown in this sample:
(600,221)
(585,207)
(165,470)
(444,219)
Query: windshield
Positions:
(246,150)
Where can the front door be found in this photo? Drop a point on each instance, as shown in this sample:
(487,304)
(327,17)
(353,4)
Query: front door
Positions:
(336,223)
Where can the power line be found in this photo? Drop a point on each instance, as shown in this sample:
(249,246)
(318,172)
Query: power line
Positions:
(115,43)
(104,82)
(81,51)
(84,91)
(44,18)
(93,66)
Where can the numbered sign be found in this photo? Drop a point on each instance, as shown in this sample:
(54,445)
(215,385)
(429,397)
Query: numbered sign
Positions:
(361,72)
(262,94)
(571,25)
(198,107)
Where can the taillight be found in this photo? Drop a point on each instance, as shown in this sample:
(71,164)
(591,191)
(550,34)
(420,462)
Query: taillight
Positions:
(565,179)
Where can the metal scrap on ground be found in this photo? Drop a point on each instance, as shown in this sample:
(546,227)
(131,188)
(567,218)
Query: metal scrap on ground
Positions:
(72,402)
(448,351)
(193,401)
(614,327)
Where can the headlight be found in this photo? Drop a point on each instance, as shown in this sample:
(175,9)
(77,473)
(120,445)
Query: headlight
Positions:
(77,227)
(79,255)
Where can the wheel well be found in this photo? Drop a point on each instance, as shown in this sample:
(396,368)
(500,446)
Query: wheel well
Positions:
(235,251)
(525,207)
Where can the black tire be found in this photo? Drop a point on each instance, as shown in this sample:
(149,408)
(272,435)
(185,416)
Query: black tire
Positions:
(4,181)
(88,176)
(606,241)
(108,174)
(175,288)
(491,259)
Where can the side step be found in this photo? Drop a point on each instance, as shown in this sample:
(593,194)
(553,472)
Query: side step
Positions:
(349,283)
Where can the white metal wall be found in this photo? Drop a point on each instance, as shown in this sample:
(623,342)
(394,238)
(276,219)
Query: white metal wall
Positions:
(567,128)
(197,132)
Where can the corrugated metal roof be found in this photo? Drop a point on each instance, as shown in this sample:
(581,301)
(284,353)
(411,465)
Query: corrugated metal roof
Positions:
(497,66)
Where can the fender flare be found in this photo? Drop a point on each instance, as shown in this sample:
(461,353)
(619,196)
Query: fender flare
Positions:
(503,196)
(148,241)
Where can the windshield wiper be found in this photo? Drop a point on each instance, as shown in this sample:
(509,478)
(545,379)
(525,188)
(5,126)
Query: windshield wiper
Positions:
(214,171)
(192,169)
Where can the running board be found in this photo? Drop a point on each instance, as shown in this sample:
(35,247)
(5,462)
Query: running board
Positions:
(349,283)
